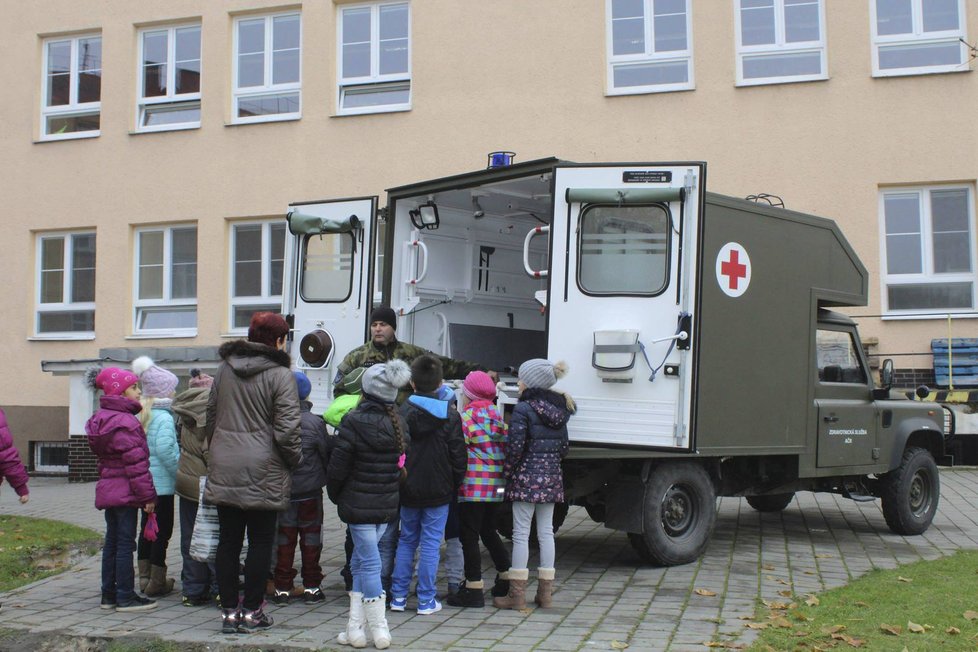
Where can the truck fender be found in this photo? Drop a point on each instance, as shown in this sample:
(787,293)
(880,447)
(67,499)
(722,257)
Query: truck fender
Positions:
(916,431)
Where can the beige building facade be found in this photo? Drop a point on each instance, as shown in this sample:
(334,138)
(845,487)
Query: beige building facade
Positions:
(150,150)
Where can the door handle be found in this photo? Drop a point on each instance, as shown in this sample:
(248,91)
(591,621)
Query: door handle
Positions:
(830,419)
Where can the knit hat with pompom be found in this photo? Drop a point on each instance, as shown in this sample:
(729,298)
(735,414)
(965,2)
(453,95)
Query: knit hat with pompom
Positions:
(157,382)
(382,381)
(111,380)
(541,374)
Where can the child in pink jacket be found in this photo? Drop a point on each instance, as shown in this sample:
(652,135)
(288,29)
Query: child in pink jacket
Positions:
(125,484)
(11,468)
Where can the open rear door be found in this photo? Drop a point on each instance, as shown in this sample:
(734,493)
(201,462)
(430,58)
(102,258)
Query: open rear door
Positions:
(621,300)
(328,285)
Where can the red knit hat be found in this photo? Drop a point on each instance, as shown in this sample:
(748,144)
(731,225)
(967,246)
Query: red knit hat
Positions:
(478,386)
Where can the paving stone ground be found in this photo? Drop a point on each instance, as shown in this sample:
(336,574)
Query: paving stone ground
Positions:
(603,593)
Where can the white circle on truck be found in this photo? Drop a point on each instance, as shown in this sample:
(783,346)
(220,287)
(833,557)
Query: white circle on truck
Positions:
(733,269)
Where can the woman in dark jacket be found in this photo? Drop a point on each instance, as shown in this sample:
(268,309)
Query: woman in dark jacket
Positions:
(253,442)
(534,480)
(363,480)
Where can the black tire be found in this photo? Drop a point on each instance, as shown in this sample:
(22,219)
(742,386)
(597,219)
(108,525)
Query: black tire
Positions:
(679,514)
(911,492)
(771,502)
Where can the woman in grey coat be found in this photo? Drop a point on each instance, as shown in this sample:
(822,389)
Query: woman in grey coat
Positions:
(254,443)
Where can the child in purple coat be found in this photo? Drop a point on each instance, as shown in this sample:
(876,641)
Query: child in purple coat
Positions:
(125,484)
(11,468)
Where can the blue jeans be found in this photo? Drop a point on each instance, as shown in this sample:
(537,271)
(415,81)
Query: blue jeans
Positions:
(365,562)
(199,579)
(118,577)
(388,547)
(424,527)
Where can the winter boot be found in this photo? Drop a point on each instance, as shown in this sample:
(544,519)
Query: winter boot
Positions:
(355,634)
(144,568)
(516,599)
(159,584)
(375,611)
(469,594)
(545,586)
(501,587)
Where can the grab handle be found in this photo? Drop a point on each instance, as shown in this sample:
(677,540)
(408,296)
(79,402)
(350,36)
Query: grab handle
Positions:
(526,252)
(422,247)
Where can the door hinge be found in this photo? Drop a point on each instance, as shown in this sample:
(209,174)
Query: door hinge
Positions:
(679,433)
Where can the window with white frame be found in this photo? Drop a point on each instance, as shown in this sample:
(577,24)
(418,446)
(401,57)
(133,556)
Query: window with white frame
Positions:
(71,104)
(780,41)
(913,37)
(257,263)
(649,46)
(267,67)
(169,78)
(166,280)
(65,284)
(374,62)
(928,249)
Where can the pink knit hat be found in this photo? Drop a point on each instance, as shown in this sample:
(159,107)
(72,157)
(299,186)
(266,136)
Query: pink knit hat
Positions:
(478,386)
(157,382)
(199,379)
(114,381)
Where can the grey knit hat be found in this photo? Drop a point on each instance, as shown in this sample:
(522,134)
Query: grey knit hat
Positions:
(541,374)
(382,381)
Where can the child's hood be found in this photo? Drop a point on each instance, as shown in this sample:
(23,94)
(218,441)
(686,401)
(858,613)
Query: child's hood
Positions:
(430,415)
(553,408)
(116,413)
(191,405)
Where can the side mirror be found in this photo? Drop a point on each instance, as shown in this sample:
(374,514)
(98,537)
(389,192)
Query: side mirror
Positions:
(886,374)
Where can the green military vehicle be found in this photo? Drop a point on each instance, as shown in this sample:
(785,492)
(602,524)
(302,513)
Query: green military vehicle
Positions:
(705,357)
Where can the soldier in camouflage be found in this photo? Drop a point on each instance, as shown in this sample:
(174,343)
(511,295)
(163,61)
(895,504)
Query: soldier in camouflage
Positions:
(384,346)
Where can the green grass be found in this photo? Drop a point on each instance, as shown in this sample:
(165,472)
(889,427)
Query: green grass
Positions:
(934,597)
(34,548)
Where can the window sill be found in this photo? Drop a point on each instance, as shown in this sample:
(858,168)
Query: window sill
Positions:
(774,81)
(290,117)
(164,335)
(647,90)
(918,72)
(935,315)
(63,137)
(71,337)
(399,108)
(156,130)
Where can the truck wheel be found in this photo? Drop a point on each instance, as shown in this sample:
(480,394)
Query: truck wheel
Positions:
(679,514)
(771,502)
(911,492)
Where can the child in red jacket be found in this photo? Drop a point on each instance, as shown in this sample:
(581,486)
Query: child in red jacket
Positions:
(11,468)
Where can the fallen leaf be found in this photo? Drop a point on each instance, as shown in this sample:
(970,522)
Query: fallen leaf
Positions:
(971,615)
(714,644)
(952,630)
(774,604)
(782,622)
(800,633)
(812,601)
(763,566)
(809,572)
(785,593)
(785,582)
(900,578)
(705,592)
(914,627)
(853,641)
(860,603)
(618,645)
(893,630)
(833,629)
(756,625)
(797,615)
(824,555)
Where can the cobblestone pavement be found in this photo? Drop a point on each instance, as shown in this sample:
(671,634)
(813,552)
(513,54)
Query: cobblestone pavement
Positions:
(603,593)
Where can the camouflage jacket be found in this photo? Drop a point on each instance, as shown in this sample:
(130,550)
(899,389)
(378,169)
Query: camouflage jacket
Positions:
(370,354)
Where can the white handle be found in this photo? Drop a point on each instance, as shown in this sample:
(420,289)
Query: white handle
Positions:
(681,336)
(526,252)
(422,247)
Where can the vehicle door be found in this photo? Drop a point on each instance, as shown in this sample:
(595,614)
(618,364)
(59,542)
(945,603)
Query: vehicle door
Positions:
(328,288)
(621,294)
(847,419)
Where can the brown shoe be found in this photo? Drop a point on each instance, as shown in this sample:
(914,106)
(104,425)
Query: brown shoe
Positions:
(144,567)
(516,598)
(545,586)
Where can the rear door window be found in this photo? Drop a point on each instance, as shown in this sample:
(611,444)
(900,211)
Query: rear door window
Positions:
(624,250)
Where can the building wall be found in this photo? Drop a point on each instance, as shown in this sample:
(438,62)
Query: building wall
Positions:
(507,74)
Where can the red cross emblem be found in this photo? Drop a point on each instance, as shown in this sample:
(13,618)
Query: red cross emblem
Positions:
(733,269)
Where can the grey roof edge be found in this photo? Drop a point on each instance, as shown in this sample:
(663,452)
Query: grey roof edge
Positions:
(176,358)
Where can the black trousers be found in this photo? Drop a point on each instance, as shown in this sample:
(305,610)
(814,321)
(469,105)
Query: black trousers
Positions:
(260,525)
(478,520)
(155,551)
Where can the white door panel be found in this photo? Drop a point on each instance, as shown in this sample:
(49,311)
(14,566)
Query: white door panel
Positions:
(623,273)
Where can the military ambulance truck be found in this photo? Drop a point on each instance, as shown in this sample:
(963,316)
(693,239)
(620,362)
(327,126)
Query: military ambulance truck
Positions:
(704,354)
